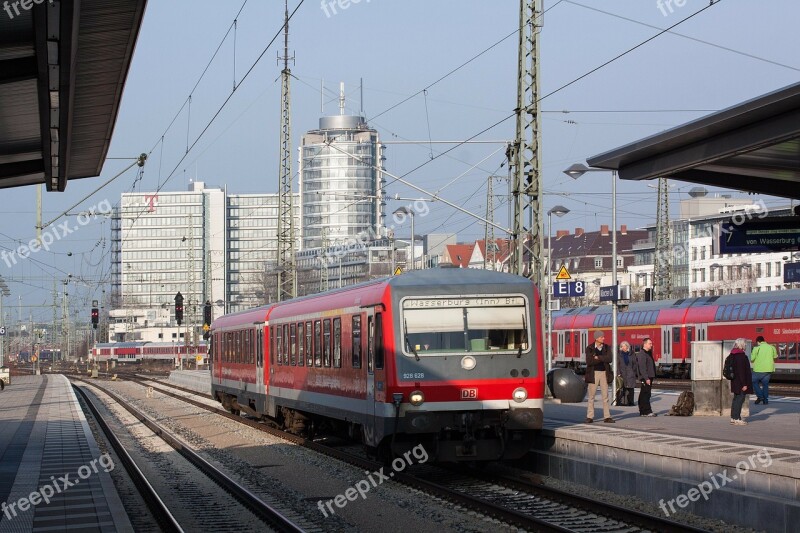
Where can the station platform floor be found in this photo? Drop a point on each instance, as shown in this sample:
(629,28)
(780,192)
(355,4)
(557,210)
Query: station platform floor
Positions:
(746,475)
(776,424)
(53,476)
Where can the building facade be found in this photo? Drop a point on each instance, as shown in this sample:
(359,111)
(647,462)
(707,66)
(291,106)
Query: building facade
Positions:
(341,182)
(203,243)
(698,267)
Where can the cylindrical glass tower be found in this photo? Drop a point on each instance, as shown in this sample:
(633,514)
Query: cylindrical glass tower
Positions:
(341,182)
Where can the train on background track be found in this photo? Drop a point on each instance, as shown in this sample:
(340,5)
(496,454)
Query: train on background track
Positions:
(674,324)
(448,358)
(141,351)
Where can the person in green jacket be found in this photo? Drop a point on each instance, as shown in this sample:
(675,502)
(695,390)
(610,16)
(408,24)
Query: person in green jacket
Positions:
(763,358)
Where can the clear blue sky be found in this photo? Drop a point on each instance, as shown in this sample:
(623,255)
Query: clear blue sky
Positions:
(399,48)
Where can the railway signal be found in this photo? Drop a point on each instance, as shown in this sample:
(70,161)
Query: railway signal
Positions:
(179,308)
(95,317)
(207,320)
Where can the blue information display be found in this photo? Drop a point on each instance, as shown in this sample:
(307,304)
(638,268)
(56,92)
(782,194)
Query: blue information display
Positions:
(791,273)
(776,234)
(569,289)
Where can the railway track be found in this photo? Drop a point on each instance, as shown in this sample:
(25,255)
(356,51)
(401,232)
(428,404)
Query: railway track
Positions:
(234,507)
(516,502)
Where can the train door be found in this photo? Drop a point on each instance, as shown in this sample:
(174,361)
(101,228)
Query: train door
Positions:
(260,385)
(560,352)
(369,422)
(666,346)
(581,342)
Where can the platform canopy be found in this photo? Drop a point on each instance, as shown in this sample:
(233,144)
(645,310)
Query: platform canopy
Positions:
(63,65)
(753,147)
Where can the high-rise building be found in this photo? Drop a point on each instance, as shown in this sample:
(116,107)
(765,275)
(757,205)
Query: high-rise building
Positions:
(168,242)
(252,250)
(341,182)
(205,243)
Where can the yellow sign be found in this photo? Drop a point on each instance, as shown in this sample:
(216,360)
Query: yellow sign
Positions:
(33,359)
(398,271)
(206,327)
(563,274)
(199,358)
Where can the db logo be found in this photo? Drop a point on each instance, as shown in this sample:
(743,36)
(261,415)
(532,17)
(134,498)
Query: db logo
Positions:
(469,394)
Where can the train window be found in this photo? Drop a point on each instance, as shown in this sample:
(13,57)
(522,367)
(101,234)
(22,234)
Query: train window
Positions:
(370,344)
(762,309)
(285,349)
(577,338)
(317,343)
(326,342)
(293,345)
(777,310)
(309,345)
(566,338)
(676,334)
(720,311)
(246,346)
(751,313)
(357,341)
(279,342)
(301,345)
(337,343)
(689,333)
(273,345)
(726,315)
(228,348)
(379,340)
(797,310)
(743,311)
(735,311)
(260,348)
(789,308)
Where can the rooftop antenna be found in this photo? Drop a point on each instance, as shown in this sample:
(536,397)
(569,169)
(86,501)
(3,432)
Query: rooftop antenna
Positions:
(341,98)
(362,96)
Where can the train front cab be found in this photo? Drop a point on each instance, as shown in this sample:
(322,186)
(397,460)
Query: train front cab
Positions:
(468,376)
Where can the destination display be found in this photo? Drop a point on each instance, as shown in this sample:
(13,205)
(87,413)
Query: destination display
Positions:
(778,234)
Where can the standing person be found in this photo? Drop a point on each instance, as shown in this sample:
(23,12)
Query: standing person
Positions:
(626,370)
(763,357)
(645,369)
(741,383)
(598,373)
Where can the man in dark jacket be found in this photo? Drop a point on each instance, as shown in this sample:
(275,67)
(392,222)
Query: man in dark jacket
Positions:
(645,369)
(742,381)
(626,363)
(598,373)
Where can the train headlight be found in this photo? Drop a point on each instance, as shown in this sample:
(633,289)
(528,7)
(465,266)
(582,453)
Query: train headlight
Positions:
(520,394)
(468,362)
(416,398)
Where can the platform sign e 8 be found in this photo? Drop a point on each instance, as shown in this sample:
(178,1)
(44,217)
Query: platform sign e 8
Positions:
(569,289)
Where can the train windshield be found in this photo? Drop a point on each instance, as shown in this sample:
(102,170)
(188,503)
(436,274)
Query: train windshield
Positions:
(442,325)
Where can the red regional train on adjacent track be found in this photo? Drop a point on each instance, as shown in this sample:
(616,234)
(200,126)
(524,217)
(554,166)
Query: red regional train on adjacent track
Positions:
(139,351)
(447,358)
(674,324)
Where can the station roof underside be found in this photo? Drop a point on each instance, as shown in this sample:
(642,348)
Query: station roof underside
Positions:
(753,147)
(63,66)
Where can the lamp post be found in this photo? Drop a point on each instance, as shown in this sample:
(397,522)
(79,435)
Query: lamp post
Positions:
(576,171)
(558,211)
(410,212)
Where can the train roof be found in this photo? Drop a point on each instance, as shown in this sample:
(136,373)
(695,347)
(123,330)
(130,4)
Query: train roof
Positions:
(446,279)
(683,303)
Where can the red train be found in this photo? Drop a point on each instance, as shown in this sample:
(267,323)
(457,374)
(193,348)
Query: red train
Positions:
(447,358)
(674,324)
(138,351)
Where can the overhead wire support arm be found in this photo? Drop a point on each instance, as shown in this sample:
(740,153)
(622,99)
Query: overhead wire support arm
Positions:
(139,161)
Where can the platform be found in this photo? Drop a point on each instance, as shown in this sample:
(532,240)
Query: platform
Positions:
(664,458)
(196,380)
(53,476)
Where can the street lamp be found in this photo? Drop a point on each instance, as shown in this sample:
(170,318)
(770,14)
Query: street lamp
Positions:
(558,211)
(410,212)
(576,171)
